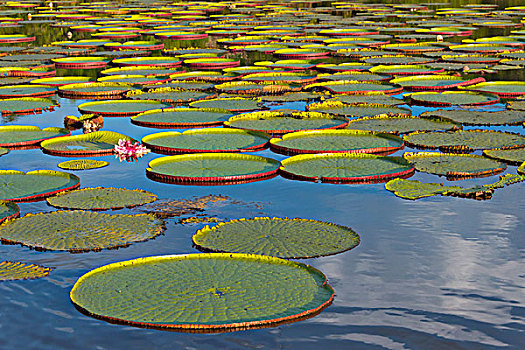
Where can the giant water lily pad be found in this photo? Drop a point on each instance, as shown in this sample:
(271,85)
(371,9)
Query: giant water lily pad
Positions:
(80,231)
(454,166)
(233,104)
(473,117)
(211,292)
(464,141)
(8,210)
(170,95)
(512,156)
(356,109)
(375,98)
(94,90)
(26,105)
(505,89)
(181,117)
(280,237)
(335,141)
(211,168)
(22,135)
(18,186)
(120,108)
(31,90)
(11,270)
(355,87)
(433,82)
(280,122)
(401,124)
(452,98)
(94,143)
(82,164)
(206,140)
(404,69)
(345,168)
(101,198)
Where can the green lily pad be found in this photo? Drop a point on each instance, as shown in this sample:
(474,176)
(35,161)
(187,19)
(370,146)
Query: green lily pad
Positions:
(472,117)
(252,88)
(59,81)
(22,135)
(206,140)
(464,141)
(291,97)
(80,62)
(517,105)
(18,186)
(233,104)
(82,164)
(433,82)
(512,156)
(30,90)
(404,69)
(170,95)
(401,124)
(8,210)
(356,109)
(212,292)
(375,98)
(334,141)
(80,231)
(452,98)
(94,90)
(142,70)
(413,189)
(10,271)
(345,168)
(120,108)
(212,168)
(279,237)
(94,143)
(454,166)
(101,198)
(181,117)
(505,89)
(26,105)
(279,122)
(148,61)
(354,87)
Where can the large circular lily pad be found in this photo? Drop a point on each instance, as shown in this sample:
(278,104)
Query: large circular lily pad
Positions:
(233,104)
(345,168)
(26,105)
(120,108)
(101,198)
(279,122)
(212,292)
(505,89)
(356,109)
(94,143)
(22,135)
(464,141)
(181,117)
(473,117)
(452,98)
(280,237)
(336,141)
(94,90)
(355,87)
(401,124)
(433,82)
(206,140)
(10,270)
(454,165)
(31,90)
(212,168)
(80,231)
(18,186)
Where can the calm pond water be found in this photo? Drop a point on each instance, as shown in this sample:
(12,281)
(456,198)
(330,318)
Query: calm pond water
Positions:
(436,273)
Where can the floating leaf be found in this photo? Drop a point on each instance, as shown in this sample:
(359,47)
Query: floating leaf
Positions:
(22,135)
(94,90)
(452,98)
(356,109)
(401,124)
(181,117)
(433,82)
(206,140)
(10,271)
(454,166)
(413,189)
(212,168)
(93,143)
(233,104)
(335,141)
(169,208)
(26,105)
(469,117)
(212,292)
(464,141)
(345,168)
(34,185)
(375,98)
(283,238)
(82,164)
(79,231)
(354,87)
(101,198)
(505,89)
(31,90)
(121,108)
(281,122)
(511,156)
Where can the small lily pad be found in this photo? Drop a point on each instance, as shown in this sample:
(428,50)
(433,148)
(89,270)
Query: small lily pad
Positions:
(82,164)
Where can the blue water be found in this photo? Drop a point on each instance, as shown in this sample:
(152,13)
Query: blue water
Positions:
(436,273)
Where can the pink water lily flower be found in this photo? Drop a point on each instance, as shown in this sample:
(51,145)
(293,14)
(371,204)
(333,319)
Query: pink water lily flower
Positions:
(126,150)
